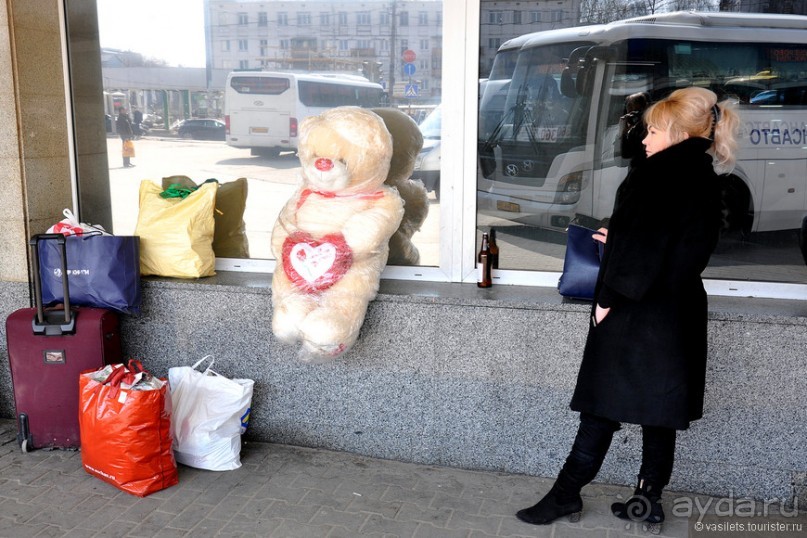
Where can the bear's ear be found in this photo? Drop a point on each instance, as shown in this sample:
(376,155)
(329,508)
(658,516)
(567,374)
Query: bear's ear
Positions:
(407,141)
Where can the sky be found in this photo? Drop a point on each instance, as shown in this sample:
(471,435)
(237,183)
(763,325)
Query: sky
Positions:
(170,30)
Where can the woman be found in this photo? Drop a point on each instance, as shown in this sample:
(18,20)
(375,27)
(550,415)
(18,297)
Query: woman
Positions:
(645,356)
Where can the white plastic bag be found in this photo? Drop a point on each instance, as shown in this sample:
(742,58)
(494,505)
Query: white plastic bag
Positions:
(210,414)
(71,226)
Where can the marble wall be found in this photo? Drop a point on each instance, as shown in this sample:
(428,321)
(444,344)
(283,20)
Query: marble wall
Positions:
(479,383)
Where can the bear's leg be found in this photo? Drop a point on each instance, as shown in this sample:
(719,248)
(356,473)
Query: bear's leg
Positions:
(288,315)
(333,327)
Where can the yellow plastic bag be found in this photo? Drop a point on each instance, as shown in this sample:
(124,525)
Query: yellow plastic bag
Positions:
(128,148)
(230,236)
(176,234)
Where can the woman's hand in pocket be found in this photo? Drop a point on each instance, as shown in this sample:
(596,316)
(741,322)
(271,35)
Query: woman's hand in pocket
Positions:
(599,314)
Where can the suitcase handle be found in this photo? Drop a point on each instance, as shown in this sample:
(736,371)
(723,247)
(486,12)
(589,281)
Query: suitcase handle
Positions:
(41,325)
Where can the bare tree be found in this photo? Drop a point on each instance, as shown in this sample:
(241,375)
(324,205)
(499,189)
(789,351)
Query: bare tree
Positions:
(692,5)
(602,11)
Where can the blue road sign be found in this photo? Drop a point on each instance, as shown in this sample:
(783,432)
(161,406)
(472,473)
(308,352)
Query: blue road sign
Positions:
(409,69)
(411,90)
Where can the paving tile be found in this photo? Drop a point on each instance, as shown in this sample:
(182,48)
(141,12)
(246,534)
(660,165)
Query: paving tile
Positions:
(487,524)
(389,527)
(349,521)
(429,531)
(467,505)
(421,498)
(437,517)
(286,492)
(375,506)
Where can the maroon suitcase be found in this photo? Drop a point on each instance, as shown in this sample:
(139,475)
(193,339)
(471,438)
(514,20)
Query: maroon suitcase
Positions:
(47,350)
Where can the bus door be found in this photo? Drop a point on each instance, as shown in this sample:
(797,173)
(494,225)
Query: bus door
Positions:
(783,195)
(773,153)
(604,80)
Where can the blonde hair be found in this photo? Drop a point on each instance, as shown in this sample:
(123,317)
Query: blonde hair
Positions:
(695,111)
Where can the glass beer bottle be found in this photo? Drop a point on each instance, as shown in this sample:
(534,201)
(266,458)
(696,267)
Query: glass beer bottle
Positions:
(494,250)
(484,262)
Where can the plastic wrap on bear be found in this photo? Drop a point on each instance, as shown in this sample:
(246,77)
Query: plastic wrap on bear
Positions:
(331,238)
(407,140)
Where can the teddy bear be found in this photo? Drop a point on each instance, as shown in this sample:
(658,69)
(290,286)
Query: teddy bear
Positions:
(331,239)
(407,140)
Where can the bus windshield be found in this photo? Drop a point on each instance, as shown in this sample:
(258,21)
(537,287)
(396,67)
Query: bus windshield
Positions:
(503,65)
(537,122)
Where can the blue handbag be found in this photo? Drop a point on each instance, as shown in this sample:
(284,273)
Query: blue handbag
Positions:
(581,264)
(103,271)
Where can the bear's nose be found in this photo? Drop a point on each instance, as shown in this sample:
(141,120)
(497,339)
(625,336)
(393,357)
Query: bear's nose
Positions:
(323,165)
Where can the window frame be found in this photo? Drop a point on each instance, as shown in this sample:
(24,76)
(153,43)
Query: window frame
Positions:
(458,206)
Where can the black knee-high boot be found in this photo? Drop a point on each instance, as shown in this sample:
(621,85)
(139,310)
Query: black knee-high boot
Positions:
(582,465)
(658,456)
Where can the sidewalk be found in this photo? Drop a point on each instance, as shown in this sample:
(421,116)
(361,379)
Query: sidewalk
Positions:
(283,491)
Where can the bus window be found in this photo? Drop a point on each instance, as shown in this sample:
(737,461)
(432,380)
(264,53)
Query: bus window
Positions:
(538,123)
(260,85)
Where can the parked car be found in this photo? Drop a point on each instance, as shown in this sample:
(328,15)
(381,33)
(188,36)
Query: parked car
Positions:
(202,129)
(427,164)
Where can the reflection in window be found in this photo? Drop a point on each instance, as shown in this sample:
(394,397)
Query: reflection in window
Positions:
(353,67)
(549,151)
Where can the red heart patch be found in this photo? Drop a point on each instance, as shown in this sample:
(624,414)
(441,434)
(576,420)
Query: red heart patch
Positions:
(314,265)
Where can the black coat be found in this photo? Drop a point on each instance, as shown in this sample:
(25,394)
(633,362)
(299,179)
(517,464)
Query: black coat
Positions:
(645,363)
(124,127)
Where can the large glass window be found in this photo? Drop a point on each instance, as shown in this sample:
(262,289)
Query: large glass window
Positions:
(549,145)
(524,141)
(160,92)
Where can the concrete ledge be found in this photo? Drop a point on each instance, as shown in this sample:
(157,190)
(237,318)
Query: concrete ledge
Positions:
(479,379)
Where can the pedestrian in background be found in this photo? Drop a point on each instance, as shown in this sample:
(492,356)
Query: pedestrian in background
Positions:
(645,356)
(123,125)
(137,122)
(632,130)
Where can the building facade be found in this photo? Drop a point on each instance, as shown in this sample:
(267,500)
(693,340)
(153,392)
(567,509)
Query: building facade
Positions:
(369,38)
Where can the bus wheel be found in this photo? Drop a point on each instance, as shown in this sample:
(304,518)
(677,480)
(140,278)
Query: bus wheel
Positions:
(272,153)
(738,211)
(803,239)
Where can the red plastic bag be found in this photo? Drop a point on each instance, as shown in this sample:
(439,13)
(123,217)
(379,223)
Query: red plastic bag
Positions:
(125,425)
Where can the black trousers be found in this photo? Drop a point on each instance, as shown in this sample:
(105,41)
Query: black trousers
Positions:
(592,442)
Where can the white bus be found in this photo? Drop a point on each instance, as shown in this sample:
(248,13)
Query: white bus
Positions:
(551,156)
(263,109)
